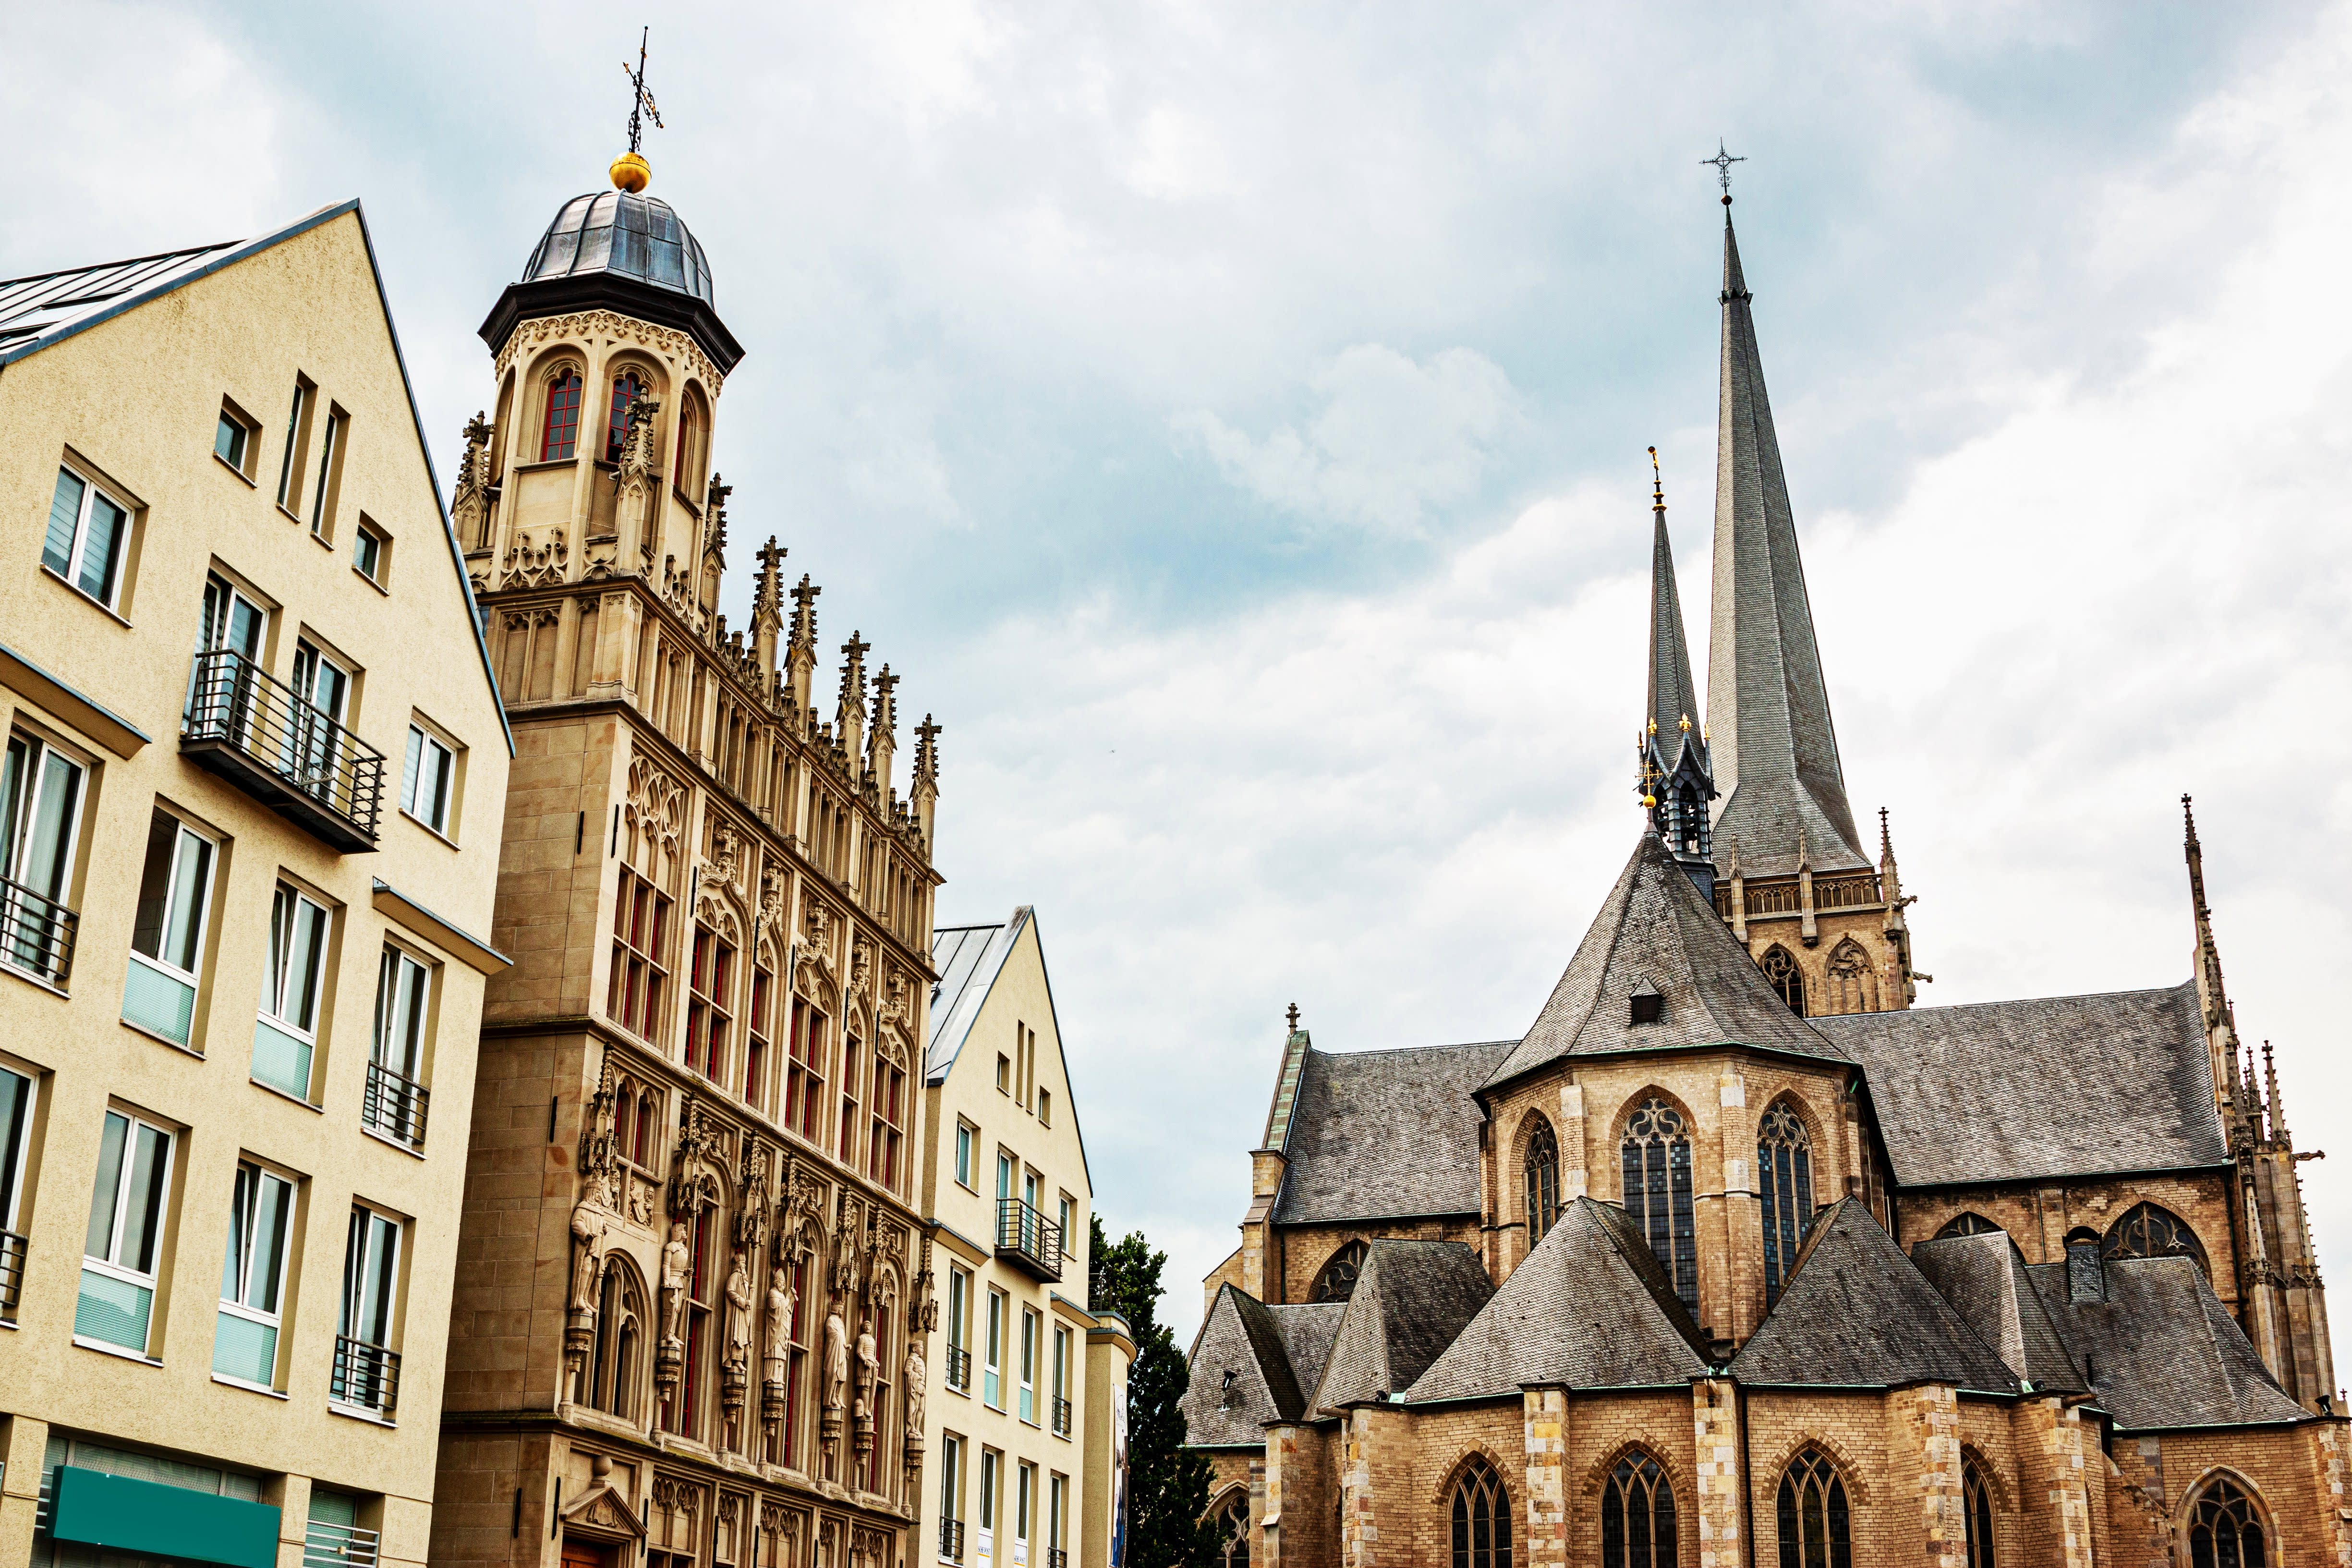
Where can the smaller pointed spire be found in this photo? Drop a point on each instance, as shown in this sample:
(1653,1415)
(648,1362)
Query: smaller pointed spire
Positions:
(800,649)
(925,792)
(2271,1093)
(767,604)
(882,746)
(849,718)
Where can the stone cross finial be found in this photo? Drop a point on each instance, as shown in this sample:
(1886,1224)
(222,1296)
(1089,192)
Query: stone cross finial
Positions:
(926,750)
(1294,1017)
(804,612)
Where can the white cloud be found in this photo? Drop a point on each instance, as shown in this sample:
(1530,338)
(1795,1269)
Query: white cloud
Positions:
(1393,440)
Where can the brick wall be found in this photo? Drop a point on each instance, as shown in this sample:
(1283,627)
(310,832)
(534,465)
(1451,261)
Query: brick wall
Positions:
(2039,1216)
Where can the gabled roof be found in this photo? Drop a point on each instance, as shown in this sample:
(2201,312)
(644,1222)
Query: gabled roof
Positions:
(42,311)
(1385,1135)
(2004,1091)
(1984,1279)
(1655,930)
(968,960)
(1858,1314)
(2164,1352)
(1590,1307)
(1411,1299)
(1242,1371)
(1767,708)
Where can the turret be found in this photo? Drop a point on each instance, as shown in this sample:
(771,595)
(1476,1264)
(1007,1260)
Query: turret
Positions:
(1674,781)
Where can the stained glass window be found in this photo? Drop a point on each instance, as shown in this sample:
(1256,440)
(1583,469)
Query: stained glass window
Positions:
(1815,1527)
(1234,1531)
(1970,1224)
(1657,1170)
(1337,1280)
(1637,1516)
(1543,1182)
(2225,1529)
(1781,970)
(1977,1492)
(2150,1231)
(1482,1519)
(1784,1177)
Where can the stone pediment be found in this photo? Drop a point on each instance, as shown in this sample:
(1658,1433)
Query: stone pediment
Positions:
(603,1510)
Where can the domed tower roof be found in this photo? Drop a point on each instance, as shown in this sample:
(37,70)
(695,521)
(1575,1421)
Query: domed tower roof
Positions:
(617,231)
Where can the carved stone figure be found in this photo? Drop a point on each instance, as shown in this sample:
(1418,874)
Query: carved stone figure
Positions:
(836,1361)
(869,1367)
(587,1226)
(738,1320)
(915,1370)
(782,1305)
(675,1259)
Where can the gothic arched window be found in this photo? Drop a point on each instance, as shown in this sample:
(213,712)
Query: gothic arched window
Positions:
(626,389)
(1784,1177)
(1657,1169)
(1637,1516)
(1815,1529)
(1337,1280)
(1482,1518)
(2148,1230)
(693,427)
(2225,1529)
(701,1292)
(1234,1531)
(1968,1224)
(1543,1182)
(613,1367)
(1853,980)
(559,433)
(1975,1493)
(1781,970)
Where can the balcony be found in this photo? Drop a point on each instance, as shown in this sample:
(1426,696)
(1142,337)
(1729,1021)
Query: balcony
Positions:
(12,1271)
(1061,1418)
(950,1541)
(1028,1240)
(37,933)
(960,1369)
(326,1545)
(1057,1558)
(366,1377)
(257,733)
(395,1106)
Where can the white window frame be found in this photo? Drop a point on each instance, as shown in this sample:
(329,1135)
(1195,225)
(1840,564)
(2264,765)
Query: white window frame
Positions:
(237,1283)
(337,423)
(287,478)
(966,1147)
(1067,1222)
(287,904)
(992,1376)
(1058,1501)
(951,1483)
(359,1250)
(1024,1507)
(195,944)
(368,533)
(1032,1327)
(17,820)
(403,1007)
(1062,1346)
(991,1463)
(75,567)
(13,1161)
(422,744)
(111,1266)
(244,440)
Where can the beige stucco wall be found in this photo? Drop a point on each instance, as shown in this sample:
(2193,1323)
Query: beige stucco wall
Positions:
(964,1227)
(137,399)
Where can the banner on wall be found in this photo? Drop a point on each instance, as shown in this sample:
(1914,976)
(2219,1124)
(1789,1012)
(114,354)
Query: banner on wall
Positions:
(1119,1478)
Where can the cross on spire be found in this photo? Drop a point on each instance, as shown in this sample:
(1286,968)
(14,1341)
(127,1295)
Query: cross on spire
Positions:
(1657,483)
(1294,1017)
(641,102)
(1722,163)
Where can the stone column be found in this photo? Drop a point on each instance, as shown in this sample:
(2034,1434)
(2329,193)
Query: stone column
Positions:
(2053,1495)
(26,1445)
(1714,1409)
(1358,1525)
(2331,1456)
(1546,1417)
(1281,1453)
(1926,1419)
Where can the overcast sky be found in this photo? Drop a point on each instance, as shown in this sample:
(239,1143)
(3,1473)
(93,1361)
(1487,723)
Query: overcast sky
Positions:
(1230,423)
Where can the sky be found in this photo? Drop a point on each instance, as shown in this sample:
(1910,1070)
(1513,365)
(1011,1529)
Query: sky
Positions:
(1230,421)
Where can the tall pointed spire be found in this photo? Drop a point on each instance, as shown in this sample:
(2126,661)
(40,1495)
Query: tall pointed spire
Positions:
(1674,784)
(1767,707)
(1673,695)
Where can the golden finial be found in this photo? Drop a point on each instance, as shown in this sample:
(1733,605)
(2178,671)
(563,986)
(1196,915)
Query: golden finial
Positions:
(1654,726)
(1658,484)
(1686,723)
(630,171)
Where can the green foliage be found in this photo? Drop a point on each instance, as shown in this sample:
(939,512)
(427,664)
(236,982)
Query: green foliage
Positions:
(1166,1486)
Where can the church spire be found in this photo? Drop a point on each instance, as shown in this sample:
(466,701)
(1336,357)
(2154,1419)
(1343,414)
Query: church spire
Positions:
(1768,709)
(1675,783)
(2220,1018)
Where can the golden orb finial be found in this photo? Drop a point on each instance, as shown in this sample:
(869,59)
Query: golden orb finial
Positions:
(1649,801)
(631,173)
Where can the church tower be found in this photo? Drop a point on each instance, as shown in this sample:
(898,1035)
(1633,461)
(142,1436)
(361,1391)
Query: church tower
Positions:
(1677,785)
(1793,878)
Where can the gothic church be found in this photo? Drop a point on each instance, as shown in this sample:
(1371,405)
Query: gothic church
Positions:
(1737,1257)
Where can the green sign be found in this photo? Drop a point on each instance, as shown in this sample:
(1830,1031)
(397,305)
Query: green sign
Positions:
(124,1515)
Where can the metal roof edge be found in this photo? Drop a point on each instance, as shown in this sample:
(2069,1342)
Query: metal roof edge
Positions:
(1027,915)
(999,949)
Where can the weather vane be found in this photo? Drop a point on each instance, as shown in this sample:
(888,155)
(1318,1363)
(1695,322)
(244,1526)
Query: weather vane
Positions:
(630,171)
(1721,161)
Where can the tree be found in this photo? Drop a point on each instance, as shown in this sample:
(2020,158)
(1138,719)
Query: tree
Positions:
(1167,1485)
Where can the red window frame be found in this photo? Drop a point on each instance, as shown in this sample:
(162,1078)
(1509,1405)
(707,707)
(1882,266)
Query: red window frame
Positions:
(847,1149)
(626,389)
(686,1409)
(804,1078)
(755,1049)
(882,1143)
(633,996)
(708,1024)
(559,435)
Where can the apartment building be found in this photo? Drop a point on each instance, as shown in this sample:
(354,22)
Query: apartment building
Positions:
(1029,1389)
(248,826)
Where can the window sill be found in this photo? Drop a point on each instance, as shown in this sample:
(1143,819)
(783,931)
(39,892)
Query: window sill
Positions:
(384,1137)
(288,513)
(355,1412)
(100,605)
(370,582)
(545,463)
(250,482)
(428,827)
(248,1387)
(290,1099)
(34,981)
(322,542)
(102,1348)
(187,1050)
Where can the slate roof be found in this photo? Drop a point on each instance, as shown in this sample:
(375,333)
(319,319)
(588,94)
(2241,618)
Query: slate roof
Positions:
(2000,1091)
(1256,1343)
(1984,1279)
(1767,708)
(1857,1313)
(2164,1352)
(1590,1307)
(1385,1135)
(1656,929)
(1411,1299)
(1674,696)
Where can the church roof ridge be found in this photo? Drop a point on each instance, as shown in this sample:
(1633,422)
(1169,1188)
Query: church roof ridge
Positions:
(1409,1050)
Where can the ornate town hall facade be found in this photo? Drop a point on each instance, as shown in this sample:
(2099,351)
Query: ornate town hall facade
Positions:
(692,1289)
(1739,1257)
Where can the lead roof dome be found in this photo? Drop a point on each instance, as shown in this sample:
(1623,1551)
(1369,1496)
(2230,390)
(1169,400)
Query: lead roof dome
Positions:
(630,236)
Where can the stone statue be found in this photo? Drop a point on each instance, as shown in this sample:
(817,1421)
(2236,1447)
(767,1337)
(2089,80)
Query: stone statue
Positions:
(675,1259)
(869,1367)
(738,1320)
(836,1361)
(915,1370)
(782,1305)
(587,1226)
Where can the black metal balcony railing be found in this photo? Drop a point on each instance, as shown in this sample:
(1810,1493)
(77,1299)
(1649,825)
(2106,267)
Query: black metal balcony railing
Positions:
(366,1375)
(960,1368)
(258,733)
(395,1106)
(951,1540)
(1057,1558)
(12,1270)
(1062,1417)
(1028,1240)
(37,932)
